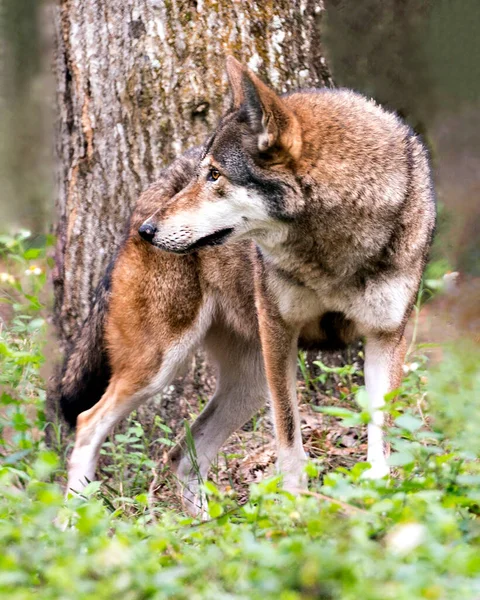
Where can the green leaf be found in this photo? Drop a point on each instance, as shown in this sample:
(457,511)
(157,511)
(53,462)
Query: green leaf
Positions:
(335,411)
(36,324)
(400,459)
(211,489)
(166,441)
(361,398)
(349,418)
(215,510)
(408,422)
(311,470)
(91,488)
(16,457)
(45,464)
(32,253)
(4,349)
(7,399)
(142,499)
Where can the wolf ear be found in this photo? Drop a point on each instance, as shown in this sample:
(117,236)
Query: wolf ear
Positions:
(268,116)
(235,71)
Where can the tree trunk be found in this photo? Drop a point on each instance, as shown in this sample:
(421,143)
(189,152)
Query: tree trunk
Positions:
(138,83)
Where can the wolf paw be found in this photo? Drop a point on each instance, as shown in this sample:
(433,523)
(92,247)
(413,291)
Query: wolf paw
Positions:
(194,500)
(189,485)
(292,467)
(295,482)
(76,483)
(376,471)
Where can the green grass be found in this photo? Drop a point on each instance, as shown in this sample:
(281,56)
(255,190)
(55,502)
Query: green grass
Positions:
(414,535)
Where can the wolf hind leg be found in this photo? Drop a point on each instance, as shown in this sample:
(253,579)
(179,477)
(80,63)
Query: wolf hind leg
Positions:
(93,426)
(384,356)
(241,390)
(125,392)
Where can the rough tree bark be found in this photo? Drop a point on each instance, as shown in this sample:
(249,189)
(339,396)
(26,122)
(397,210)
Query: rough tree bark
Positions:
(139,82)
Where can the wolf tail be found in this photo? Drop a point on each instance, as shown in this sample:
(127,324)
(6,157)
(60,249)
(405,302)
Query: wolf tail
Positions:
(86,370)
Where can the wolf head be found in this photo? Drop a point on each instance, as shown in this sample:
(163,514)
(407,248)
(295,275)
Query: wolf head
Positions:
(244,184)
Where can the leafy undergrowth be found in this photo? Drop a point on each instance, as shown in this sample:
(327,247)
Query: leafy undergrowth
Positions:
(413,535)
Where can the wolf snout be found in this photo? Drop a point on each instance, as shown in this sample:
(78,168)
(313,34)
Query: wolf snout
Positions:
(147,231)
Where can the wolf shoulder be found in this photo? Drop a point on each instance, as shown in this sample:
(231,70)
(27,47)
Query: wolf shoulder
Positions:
(358,154)
(345,110)
(349,124)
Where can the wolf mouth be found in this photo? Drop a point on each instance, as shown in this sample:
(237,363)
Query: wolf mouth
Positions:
(213,239)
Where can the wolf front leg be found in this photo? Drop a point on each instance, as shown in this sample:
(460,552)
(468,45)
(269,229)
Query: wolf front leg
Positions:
(279,349)
(384,356)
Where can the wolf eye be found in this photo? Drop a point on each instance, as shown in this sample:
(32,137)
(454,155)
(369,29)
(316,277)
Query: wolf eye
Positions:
(213,174)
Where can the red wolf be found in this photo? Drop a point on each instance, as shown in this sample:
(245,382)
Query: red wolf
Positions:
(305,219)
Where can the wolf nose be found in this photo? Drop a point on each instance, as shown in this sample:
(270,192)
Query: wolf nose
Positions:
(147,231)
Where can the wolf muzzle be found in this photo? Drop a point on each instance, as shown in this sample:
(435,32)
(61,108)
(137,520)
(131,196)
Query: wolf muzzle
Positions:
(176,242)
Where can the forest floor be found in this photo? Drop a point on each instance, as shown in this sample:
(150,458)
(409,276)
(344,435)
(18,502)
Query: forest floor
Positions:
(249,455)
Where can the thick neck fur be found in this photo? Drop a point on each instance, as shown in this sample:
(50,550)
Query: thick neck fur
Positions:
(353,181)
